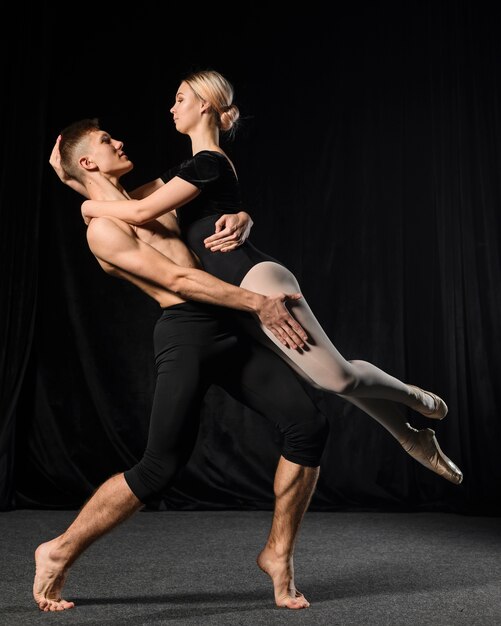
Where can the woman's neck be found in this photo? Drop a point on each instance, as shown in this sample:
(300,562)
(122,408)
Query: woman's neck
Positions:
(206,139)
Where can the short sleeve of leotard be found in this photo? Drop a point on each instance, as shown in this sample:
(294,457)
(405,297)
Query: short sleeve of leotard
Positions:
(200,170)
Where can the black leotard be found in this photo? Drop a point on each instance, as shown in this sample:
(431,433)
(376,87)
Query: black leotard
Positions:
(213,174)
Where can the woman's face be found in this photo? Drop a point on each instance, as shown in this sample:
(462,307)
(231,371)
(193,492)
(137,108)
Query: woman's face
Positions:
(187,109)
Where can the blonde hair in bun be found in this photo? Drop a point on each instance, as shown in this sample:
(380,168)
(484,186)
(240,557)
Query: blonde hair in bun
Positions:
(213,87)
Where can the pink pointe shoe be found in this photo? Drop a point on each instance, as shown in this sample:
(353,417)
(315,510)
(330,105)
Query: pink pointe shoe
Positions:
(440,408)
(423,446)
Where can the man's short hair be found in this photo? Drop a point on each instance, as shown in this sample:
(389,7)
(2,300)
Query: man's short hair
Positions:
(73,145)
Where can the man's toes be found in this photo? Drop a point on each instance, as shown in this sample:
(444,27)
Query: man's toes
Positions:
(67,605)
(303,603)
(300,602)
(295,603)
(54,605)
(61,605)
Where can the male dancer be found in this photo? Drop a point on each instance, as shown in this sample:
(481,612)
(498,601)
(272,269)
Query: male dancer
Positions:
(194,342)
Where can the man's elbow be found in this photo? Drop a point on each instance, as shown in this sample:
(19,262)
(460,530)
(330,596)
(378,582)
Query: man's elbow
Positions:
(178,281)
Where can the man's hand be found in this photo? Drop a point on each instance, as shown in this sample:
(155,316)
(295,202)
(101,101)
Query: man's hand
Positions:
(55,161)
(230,232)
(275,316)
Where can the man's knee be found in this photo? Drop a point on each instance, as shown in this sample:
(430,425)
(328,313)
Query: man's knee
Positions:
(304,442)
(152,476)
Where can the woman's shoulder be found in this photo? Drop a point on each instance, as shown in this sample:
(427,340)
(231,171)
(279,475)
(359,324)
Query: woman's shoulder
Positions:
(207,164)
(203,167)
(214,164)
(216,160)
(211,158)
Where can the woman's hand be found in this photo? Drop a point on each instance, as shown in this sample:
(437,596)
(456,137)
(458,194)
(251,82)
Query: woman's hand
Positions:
(230,232)
(55,161)
(85,217)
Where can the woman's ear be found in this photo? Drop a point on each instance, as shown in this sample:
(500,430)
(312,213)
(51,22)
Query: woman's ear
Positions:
(204,106)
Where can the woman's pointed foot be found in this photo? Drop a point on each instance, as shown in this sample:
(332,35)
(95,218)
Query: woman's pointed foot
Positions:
(429,404)
(423,446)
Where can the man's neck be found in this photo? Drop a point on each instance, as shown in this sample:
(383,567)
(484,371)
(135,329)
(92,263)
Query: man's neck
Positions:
(102,187)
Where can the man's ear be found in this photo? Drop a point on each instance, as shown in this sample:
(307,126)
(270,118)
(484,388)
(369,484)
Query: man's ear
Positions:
(86,163)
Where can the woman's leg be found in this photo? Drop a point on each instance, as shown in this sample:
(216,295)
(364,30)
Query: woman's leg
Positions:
(359,382)
(320,362)
(421,445)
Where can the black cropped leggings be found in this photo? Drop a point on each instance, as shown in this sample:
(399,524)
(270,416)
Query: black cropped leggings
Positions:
(197,345)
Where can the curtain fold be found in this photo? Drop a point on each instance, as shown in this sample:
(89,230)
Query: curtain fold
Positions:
(369,158)
(23,102)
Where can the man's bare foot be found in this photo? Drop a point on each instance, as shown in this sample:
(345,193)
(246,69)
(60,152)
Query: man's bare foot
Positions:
(50,576)
(281,572)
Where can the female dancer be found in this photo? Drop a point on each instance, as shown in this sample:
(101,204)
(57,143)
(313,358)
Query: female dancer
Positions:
(203,188)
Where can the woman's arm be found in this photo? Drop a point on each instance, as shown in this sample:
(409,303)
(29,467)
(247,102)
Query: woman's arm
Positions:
(170,196)
(145,190)
(230,231)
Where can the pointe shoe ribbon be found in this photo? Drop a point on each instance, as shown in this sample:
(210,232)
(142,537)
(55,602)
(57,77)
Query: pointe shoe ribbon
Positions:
(423,446)
(440,409)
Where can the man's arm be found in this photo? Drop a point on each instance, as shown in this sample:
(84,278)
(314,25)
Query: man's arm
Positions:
(126,251)
(114,242)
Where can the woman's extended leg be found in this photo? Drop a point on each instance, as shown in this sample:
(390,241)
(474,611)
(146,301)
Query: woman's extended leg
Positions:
(359,382)
(421,445)
(321,362)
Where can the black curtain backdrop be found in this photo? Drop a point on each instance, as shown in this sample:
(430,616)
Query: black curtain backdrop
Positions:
(369,157)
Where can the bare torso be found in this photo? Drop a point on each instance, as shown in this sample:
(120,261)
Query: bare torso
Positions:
(164,235)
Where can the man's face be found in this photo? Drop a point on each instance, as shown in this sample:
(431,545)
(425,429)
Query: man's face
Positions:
(107,154)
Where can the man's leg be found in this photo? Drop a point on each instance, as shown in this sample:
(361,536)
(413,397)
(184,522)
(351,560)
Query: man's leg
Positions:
(264,382)
(112,503)
(172,434)
(293,487)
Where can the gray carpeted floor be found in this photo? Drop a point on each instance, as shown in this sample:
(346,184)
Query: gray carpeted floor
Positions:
(199,568)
